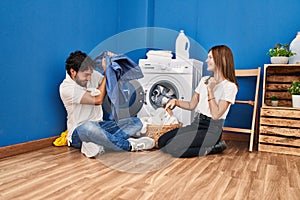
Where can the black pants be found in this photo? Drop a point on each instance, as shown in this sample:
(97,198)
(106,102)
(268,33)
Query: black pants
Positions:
(192,140)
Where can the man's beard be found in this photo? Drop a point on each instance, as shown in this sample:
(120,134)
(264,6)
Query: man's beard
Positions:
(81,83)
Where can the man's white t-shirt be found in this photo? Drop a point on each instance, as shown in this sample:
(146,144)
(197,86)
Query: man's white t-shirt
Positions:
(225,90)
(71,94)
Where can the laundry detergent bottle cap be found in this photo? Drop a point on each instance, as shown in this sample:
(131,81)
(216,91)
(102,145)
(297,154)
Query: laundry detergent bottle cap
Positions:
(182,46)
(295,48)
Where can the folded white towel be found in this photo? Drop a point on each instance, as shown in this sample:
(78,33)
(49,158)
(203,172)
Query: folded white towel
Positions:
(162,53)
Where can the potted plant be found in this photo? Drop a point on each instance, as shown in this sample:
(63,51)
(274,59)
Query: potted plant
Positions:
(280,54)
(295,92)
(274,101)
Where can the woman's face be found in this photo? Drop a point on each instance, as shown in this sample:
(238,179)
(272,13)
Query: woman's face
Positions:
(211,66)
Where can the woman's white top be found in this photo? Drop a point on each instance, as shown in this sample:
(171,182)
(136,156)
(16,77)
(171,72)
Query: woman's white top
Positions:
(224,90)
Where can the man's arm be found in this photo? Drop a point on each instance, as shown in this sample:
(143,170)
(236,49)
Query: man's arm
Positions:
(95,100)
(98,100)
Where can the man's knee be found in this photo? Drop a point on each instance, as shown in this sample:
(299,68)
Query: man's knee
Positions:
(87,128)
(136,121)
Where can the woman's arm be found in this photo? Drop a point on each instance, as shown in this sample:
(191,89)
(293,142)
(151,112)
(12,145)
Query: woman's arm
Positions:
(216,109)
(187,105)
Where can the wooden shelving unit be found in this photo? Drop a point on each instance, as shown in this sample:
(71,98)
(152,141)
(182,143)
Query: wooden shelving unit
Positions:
(279,130)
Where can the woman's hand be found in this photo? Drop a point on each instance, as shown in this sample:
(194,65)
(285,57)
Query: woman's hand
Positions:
(171,104)
(211,84)
(169,111)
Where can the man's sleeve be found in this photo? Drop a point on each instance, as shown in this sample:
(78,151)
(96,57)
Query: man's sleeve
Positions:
(72,93)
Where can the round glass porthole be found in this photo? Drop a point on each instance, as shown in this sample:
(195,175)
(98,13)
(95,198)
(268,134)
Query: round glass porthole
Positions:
(161,93)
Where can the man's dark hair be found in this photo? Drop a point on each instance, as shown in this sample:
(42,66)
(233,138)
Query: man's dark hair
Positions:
(79,61)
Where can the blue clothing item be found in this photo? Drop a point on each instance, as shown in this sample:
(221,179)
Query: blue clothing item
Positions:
(119,70)
(109,134)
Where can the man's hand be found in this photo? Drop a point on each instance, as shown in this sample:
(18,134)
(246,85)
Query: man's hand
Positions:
(110,54)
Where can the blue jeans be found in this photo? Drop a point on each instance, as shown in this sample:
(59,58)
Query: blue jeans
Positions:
(109,134)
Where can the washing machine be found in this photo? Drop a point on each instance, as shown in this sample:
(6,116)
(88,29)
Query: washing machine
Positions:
(178,77)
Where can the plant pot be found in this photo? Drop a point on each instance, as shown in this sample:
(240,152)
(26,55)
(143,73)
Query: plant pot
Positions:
(296,101)
(274,103)
(279,60)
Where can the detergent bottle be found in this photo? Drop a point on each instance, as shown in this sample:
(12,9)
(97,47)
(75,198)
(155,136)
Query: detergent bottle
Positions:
(295,48)
(182,46)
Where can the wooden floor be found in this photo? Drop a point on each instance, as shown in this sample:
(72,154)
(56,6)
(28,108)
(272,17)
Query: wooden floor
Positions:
(64,173)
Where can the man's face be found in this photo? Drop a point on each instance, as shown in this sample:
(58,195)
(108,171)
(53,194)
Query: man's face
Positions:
(82,77)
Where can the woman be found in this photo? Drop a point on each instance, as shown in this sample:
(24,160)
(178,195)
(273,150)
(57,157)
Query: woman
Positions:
(212,99)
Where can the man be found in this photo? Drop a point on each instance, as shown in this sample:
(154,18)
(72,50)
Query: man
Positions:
(82,92)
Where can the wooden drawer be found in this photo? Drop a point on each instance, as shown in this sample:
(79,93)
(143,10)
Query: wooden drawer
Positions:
(279,130)
(277,80)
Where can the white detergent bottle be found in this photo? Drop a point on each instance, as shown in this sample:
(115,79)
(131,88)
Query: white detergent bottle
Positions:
(295,48)
(182,46)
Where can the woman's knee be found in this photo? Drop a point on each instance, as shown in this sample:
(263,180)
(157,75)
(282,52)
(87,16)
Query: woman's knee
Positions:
(160,144)
(162,141)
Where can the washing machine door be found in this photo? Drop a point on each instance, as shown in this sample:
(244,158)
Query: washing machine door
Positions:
(134,94)
(161,92)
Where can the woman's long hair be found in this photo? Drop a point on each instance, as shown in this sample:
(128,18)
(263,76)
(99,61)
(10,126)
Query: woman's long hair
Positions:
(223,58)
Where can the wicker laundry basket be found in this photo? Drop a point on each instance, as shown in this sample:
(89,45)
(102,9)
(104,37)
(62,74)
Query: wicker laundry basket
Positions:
(155,131)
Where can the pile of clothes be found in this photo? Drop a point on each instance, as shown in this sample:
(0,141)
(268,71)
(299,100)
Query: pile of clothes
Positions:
(161,95)
(158,117)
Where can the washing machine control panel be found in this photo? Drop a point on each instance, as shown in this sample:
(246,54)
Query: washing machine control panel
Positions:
(167,66)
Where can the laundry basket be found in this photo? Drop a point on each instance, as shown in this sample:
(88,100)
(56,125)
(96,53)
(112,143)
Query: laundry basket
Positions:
(155,131)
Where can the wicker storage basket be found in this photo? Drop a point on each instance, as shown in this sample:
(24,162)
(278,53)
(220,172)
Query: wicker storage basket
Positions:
(155,131)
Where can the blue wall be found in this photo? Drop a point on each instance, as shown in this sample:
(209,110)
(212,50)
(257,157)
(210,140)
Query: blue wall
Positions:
(37,35)
(250,28)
